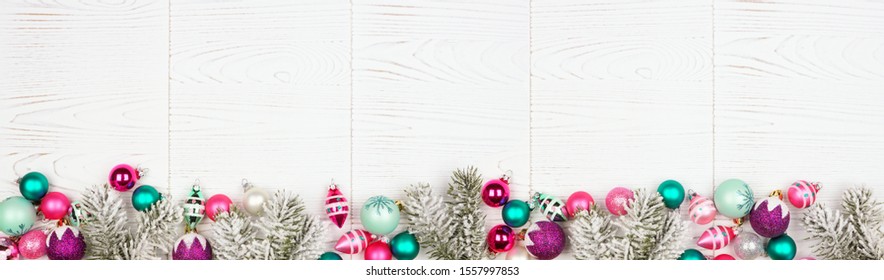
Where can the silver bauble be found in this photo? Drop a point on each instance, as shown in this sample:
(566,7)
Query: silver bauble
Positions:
(253,200)
(748,245)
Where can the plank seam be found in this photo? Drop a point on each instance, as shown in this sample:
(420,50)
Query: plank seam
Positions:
(351,114)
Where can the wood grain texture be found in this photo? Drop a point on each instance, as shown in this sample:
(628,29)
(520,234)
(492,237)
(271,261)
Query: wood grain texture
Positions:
(620,99)
(798,86)
(261,90)
(79,93)
(438,85)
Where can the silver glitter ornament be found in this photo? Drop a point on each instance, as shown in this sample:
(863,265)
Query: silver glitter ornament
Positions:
(748,245)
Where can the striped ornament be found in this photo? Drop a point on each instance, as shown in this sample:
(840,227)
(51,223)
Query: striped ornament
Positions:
(702,210)
(716,237)
(802,194)
(353,241)
(551,207)
(336,207)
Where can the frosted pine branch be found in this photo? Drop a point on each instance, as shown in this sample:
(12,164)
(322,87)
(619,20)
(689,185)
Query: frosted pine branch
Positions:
(427,216)
(643,220)
(290,233)
(832,231)
(156,232)
(468,218)
(236,238)
(105,233)
(855,234)
(669,242)
(592,235)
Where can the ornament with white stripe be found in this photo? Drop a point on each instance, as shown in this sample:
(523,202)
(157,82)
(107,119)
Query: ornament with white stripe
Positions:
(552,207)
(716,237)
(354,241)
(702,210)
(802,194)
(336,206)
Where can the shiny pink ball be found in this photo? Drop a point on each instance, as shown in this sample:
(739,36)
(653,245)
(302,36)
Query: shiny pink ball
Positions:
(32,244)
(379,250)
(496,192)
(618,200)
(724,257)
(802,194)
(216,204)
(8,249)
(578,201)
(501,238)
(123,177)
(55,205)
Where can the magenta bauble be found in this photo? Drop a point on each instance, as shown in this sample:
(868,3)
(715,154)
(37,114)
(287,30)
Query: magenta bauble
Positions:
(496,193)
(192,246)
(65,243)
(54,206)
(216,204)
(336,206)
(802,194)
(578,201)
(702,210)
(354,241)
(501,238)
(724,257)
(32,244)
(545,240)
(378,250)
(618,200)
(8,249)
(770,217)
(716,237)
(123,177)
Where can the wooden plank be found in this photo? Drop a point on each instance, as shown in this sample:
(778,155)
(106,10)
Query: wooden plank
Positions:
(79,93)
(621,96)
(797,96)
(261,90)
(438,85)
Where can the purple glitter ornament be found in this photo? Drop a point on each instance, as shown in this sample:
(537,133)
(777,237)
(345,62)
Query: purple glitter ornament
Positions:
(770,217)
(65,243)
(191,247)
(545,240)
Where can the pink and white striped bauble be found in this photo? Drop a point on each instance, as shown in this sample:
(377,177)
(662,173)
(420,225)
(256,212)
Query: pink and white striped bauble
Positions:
(802,194)
(716,237)
(353,241)
(336,207)
(702,210)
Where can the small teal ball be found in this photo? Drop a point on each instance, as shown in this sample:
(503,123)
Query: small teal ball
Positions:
(404,246)
(380,215)
(516,213)
(691,255)
(672,192)
(144,197)
(17,216)
(330,256)
(33,186)
(781,248)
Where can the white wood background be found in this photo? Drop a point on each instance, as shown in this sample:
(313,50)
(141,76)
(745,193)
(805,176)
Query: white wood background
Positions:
(379,94)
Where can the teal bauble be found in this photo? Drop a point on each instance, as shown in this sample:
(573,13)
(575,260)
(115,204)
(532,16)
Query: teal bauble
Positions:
(17,216)
(330,256)
(33,186)
(691,255)
(404,246)
(672,192)
(144,197)
(516,213)
(380,215)
(781,248)
(734,199)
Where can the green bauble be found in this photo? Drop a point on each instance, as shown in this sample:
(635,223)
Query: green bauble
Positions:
(33,186)
(781,248)
(516,213)
(692,255)
(404,246)
(17,216)
(144,197)
(330,256)
(380,215)
(672,192)
(734,198)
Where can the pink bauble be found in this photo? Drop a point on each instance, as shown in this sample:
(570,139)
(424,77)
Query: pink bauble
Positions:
(496,193)
(702,210)
(724,257)
(55,205)
(578,201)
(716,237)
(123,177)
(802,194)
(545,240)
(501,238)
(8,249)
(807,259)
(216,204)
(354,241)
(379,250)
(32,244)
(618,200)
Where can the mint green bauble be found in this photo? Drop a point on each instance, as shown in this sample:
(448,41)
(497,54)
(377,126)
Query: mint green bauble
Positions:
(691,255)
(380,215)
(672,192)
(734,199)
(17,216)
(144,197)
(781,248)
(516,213)
(33,186)
(330,256)
(404,246)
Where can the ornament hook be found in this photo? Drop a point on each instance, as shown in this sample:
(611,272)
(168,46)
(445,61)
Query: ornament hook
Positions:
(507,176)
(332,184)
(196,185)
(246,185)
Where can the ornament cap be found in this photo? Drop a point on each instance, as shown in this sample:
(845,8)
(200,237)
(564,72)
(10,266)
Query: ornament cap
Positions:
(817,185)
(507,176)
(777,194)
(400,205)
(246,185)
(738,222)
(141,171)
(196,185)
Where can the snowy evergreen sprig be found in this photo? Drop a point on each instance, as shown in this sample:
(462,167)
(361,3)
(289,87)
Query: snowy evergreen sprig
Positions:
(592,235)
(156,232)
(427,215)
(289,232)
(235,237)
(854,235)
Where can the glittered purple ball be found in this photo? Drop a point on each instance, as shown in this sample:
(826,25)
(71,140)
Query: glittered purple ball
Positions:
(192,246)
(770,217)
(545,240)
(65,243)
